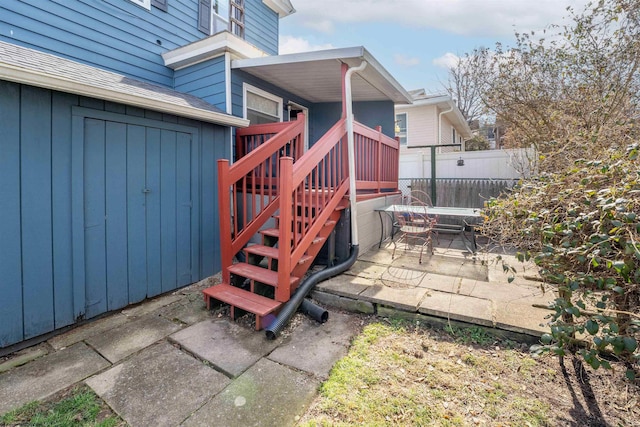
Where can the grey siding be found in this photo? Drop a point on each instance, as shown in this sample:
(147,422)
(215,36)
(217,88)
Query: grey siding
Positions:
(115,35)
(205,80)
(54,260)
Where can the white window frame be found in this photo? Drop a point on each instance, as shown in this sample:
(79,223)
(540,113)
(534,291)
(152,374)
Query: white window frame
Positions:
(218,20)
(249,88)
(305,110)
(406,131)
(143,3)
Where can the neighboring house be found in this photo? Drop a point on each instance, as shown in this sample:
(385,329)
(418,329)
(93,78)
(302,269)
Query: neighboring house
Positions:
(430,120)
(113,114)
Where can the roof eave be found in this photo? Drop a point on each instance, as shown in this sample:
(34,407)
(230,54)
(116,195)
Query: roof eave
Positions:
(374,73)
(283,8)
(48,81)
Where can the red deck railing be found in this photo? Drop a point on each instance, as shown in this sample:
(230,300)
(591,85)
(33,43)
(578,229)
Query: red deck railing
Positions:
(377,160)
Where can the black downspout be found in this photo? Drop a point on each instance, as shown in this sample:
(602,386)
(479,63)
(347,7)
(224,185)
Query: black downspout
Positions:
(298,296)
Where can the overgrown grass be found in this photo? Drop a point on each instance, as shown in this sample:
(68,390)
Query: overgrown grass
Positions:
(81,408)
(398,373)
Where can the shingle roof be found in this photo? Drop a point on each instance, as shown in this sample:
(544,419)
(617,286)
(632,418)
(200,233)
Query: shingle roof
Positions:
(29,66)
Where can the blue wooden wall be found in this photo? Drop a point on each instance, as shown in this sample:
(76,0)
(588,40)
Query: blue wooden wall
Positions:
(261,26)
(118,35)
(54,200)
(205,80)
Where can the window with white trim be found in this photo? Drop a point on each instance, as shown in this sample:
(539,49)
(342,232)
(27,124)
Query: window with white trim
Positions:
(401,127)
(260,106)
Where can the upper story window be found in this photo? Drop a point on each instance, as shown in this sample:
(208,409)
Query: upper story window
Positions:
(260,106)
(215,16)
(401,127)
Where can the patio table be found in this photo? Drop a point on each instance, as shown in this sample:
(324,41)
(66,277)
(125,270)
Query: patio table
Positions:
(469,216)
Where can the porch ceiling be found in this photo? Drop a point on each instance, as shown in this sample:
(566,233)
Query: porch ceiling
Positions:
(317,76)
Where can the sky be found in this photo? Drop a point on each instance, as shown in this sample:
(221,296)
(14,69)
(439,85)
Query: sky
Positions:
(416,40)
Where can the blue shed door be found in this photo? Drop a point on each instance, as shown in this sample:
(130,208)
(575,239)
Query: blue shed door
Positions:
(137,191)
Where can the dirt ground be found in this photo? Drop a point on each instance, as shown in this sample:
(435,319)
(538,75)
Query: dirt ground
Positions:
(422,376)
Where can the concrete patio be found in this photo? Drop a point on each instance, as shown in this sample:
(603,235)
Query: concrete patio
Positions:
(170,362)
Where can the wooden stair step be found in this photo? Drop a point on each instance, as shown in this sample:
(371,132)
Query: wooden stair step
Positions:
(244,300)
(274,232)
(271,252)
(262,275)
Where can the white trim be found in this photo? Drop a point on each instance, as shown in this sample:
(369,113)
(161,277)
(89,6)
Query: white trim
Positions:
(406,132)
(209,48)
(40,79)
(305,110)
(227,82)
(281,7)
(142,3)
(246,87)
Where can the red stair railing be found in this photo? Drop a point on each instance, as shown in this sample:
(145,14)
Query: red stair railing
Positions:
(253,177)
(311,189)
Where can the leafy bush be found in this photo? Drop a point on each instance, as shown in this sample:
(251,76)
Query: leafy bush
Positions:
(582,229)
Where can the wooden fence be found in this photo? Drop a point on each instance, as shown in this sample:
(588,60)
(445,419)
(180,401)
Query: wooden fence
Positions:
(458,192)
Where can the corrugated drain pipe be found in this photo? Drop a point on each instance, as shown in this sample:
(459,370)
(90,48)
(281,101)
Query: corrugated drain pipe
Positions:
(291,306)
(298,296)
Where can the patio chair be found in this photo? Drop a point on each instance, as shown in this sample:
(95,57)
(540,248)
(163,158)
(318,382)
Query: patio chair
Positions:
(419,196)
(415,226)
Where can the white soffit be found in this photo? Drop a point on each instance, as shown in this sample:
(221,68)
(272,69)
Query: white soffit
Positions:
(209,48)
(281,7)
(317,76)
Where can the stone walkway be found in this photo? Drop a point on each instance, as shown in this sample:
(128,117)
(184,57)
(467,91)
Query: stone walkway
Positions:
(169,362)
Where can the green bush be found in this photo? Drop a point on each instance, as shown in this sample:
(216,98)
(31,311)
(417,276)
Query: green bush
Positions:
(582,229)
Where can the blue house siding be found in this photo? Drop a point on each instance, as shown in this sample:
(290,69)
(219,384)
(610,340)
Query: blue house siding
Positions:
(101,205)
(261,26)
(238,78)
(115,35)
(205,80)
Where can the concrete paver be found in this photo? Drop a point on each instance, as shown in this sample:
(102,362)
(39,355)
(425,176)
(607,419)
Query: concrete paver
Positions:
(408,299)
(267,394)
(160,386)
(314,347)
(85,331)
(345,285)
(126,339)
(521,317)
(458,307)
(48,375)
(229,347)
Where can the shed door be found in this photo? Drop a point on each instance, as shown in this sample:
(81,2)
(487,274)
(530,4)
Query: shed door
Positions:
(137,189)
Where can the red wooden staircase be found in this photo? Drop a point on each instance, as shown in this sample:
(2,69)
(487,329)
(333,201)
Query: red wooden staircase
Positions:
(300,196)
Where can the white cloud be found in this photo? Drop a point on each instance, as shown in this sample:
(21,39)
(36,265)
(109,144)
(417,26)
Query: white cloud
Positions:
(406,61)
(448,60)
(466,17)
(289,44)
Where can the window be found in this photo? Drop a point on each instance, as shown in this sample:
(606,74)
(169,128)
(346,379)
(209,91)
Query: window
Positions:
(401,127)
(215,16)
(453,135)
(237,18)
(144,3)
(219,16)
(260,106)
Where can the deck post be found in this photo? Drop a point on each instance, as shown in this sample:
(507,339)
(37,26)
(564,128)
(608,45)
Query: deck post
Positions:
(224,215)
(283,290)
